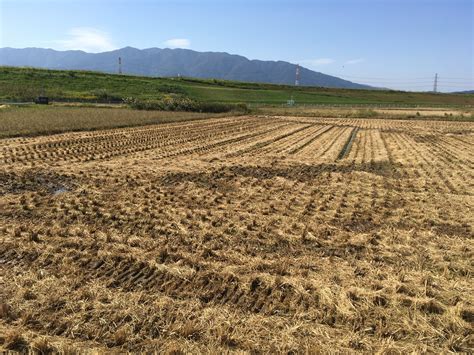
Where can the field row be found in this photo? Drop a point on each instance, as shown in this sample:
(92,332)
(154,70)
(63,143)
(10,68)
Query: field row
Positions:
(173,139)
(311,140)
(235,233)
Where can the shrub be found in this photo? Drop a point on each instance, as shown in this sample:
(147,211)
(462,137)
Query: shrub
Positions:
(171,89)
(105,96)
(367,113)
(220,107)
(23,93)
(177,103)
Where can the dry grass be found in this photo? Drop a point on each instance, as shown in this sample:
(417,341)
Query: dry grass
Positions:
(240,235)
(421,113)
(33,121)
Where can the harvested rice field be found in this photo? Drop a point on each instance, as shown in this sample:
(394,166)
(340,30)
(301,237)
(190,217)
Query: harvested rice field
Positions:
(255,234)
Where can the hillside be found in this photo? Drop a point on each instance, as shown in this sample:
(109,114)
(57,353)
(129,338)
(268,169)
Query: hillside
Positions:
(167,62)
(24,84)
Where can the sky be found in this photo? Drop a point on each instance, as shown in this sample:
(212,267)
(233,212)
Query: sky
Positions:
(399,44)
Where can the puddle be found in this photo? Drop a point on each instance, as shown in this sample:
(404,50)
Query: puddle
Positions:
(35,180)
(60,190)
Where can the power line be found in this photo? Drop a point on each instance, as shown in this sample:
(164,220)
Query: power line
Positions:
(458,82)
(419,83)
(406,80)
(440,79)
(449,77)
(378,78)
(430,85)
(428,82)
(415,83)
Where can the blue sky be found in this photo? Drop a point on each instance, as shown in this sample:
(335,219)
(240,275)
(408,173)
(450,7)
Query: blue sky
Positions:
(393,43)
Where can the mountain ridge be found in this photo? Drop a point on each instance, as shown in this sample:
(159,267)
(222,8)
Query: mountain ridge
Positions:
(167,62)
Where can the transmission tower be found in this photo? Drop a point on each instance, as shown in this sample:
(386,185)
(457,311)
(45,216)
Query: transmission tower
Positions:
(297,77)
(120,65)
(435,85)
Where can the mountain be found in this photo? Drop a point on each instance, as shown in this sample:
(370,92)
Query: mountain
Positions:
(173,62)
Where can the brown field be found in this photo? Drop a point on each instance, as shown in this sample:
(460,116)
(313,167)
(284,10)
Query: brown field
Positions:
(426,111)
(246,234)
(37,120)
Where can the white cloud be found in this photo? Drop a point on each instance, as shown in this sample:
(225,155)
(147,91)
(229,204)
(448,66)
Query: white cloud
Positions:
(178,43)
(87,39)
(355,61)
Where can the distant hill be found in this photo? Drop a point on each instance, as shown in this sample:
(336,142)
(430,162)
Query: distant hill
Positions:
(173,62)
(464,92)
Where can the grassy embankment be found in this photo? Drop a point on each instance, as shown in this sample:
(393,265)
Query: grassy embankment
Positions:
(24,84)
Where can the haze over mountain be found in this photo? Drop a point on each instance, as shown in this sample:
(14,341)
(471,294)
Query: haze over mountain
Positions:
(173,62)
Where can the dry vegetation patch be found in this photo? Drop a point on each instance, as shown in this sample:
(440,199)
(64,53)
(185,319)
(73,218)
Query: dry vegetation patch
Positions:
(375,111)
(245,234)
(33,121)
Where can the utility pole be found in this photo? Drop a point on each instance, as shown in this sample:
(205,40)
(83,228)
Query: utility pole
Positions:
(435,85)
(297,77)
(120,65)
